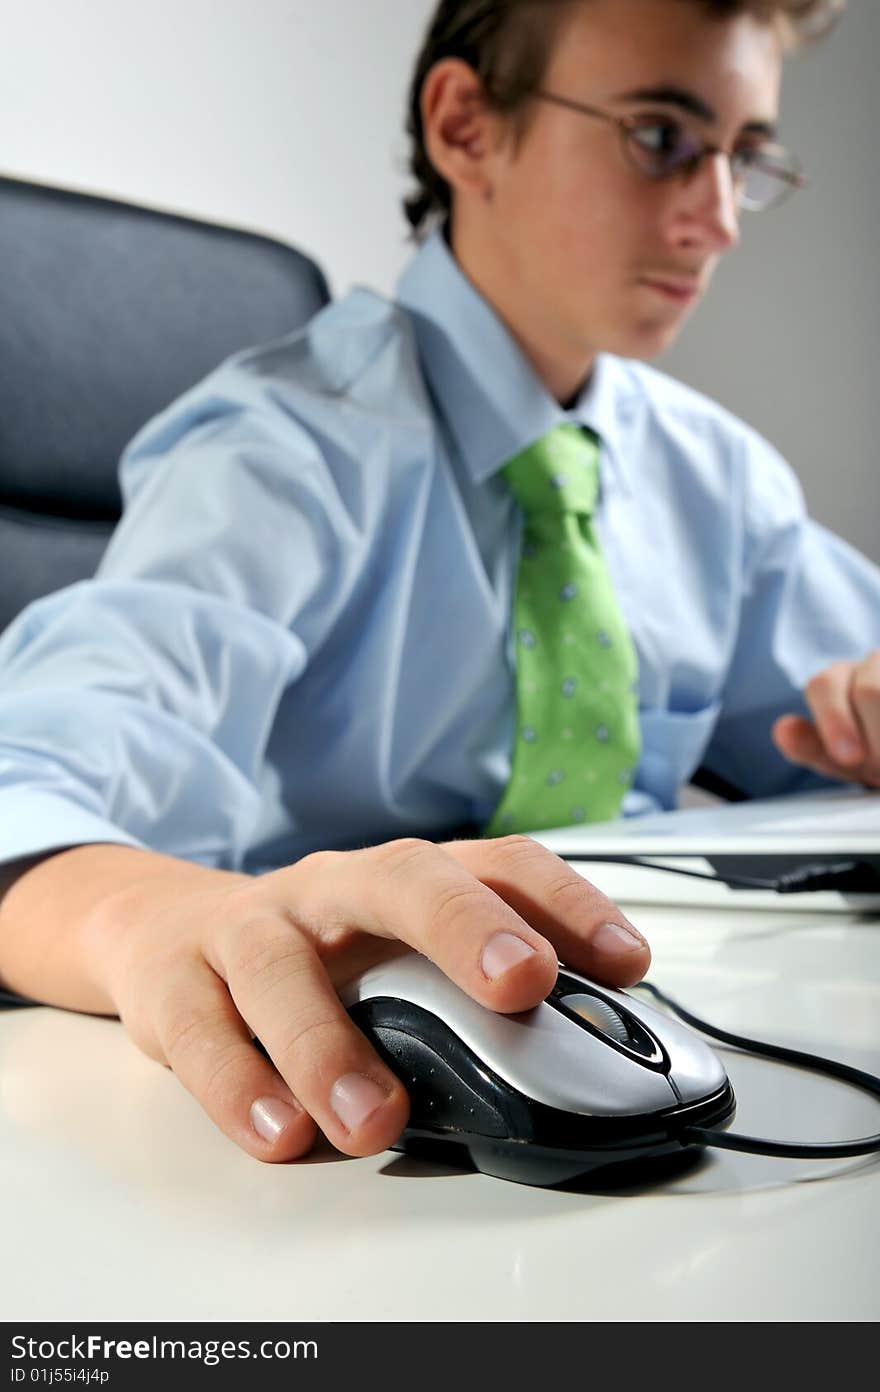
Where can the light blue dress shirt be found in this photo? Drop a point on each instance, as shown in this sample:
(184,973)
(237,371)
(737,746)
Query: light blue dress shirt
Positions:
(300,635)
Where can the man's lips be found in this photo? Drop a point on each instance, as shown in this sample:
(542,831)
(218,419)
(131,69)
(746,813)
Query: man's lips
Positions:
(682,291)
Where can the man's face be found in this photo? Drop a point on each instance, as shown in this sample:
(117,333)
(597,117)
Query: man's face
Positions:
(581,251)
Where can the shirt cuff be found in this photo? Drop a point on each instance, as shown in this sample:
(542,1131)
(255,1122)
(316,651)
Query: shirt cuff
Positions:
(32,823)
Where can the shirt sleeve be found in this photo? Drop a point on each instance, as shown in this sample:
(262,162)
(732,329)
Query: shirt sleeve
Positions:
(136,708)
(808,599)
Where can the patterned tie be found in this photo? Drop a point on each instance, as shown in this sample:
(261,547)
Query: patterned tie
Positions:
(577,732)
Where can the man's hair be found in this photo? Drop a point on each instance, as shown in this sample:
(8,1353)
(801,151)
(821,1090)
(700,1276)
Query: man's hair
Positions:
(508,43)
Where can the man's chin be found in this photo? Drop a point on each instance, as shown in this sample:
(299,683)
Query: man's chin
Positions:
(648,340)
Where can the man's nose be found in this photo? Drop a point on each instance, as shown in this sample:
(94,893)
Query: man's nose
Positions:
(709,210)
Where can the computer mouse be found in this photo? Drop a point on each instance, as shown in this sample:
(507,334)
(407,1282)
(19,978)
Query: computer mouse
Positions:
(590,1078)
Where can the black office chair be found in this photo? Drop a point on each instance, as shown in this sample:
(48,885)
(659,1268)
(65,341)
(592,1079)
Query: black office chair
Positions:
(109,311)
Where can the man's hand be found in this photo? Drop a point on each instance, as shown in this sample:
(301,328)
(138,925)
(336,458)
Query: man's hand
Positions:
(843,738)
(199,970)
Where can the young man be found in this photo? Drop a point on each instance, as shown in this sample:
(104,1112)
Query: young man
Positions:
(305,636)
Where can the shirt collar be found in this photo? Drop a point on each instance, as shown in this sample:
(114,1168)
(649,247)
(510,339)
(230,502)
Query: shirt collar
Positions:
(488,394)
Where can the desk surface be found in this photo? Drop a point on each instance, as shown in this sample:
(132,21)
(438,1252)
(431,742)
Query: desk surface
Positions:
(122,1202)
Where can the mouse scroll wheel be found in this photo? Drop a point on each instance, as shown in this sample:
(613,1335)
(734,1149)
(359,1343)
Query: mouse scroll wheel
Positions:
(599,1014)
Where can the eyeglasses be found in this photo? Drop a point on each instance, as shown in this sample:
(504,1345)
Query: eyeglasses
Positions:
(662,147)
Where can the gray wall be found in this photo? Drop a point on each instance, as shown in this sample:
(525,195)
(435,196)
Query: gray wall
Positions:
(789,338)
(285,116)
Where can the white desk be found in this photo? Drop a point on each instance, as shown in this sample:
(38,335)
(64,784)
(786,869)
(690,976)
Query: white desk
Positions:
(121,1201)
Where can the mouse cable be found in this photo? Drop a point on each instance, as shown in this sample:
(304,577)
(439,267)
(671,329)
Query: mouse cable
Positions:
(725,1140)
(845,876)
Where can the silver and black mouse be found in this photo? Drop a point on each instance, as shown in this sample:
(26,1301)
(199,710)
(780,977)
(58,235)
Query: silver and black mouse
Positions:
(590,1078)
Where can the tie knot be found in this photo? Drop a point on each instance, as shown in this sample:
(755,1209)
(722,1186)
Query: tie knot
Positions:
(557,474)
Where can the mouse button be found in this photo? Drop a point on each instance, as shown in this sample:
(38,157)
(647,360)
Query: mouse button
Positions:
(696,1071)
(555,1059)
(440,1098)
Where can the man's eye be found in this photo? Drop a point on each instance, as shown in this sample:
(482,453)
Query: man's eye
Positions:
(658,137)
(749,156)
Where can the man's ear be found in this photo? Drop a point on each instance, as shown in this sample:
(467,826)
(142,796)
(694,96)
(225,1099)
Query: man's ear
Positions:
(461,130)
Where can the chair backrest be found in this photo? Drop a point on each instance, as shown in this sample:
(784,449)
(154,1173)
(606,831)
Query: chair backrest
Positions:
(108,311)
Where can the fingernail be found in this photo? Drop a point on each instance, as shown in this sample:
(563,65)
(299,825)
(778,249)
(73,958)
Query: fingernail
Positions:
(269,1117)
(848,751)
(503,952)
(354,1098)
(615,938)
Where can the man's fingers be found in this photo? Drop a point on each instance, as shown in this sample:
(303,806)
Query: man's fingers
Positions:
(843,738)
(495,915)
(280,987)
(865,698)
(204,1040)
(830,699)
(588,931)
(800,742)
(423,895)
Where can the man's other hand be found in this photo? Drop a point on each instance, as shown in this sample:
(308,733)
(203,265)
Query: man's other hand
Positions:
(843,738)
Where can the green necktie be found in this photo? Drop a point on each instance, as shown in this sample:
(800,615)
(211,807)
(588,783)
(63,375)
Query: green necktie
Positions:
(577,733)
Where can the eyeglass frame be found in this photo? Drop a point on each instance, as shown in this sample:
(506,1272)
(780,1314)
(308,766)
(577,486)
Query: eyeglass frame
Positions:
(789,182)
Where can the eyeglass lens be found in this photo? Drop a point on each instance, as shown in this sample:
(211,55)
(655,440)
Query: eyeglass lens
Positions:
(762,175)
